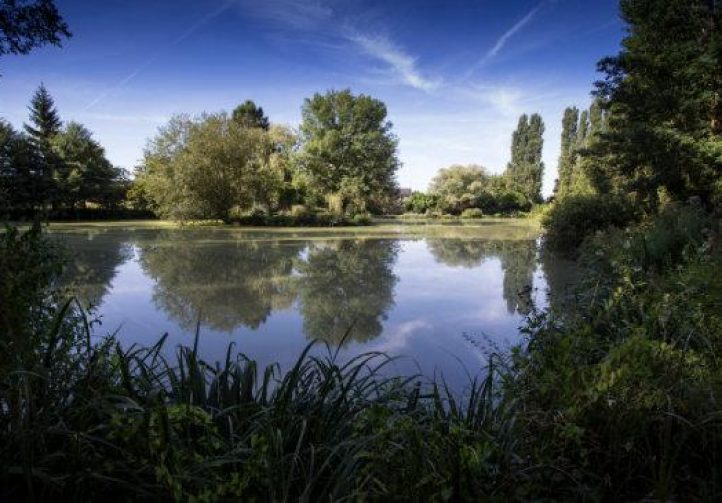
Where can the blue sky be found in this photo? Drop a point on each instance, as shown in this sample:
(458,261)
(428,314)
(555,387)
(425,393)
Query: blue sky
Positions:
(455,74)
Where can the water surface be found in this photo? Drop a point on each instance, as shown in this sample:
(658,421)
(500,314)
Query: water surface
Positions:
(442,297)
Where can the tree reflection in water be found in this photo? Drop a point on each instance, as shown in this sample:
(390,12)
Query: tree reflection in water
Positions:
(518,263)
(224,284)
(92,263)
(347,286)
(342,286)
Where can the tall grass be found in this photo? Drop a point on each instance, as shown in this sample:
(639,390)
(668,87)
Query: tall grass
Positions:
(90,421)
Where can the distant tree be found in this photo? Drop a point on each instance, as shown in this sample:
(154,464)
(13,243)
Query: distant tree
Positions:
(249,115)
(44,124)
(44,118)
(20,178)
(459,187)
(526,169)
(570,133)
(349,151)
(85,174)
(663,93)
(211,166)
(26,25)
(418,202)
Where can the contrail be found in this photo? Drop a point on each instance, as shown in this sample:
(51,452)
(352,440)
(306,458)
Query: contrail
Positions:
(187,33)
(501,42)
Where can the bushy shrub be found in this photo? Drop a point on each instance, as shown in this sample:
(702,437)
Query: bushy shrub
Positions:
(570,220)
(472,213)
(362,219)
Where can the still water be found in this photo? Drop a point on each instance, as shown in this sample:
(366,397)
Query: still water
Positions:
(440,297)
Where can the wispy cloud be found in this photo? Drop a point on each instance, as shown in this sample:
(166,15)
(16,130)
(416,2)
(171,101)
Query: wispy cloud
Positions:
(504,38)
(402,65)
(501,42)
(225,5)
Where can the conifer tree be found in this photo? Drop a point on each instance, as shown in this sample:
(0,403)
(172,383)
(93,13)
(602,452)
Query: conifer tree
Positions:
(249,115)
(44,118)
(44,125)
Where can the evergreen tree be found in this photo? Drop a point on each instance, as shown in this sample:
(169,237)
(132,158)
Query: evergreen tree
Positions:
(44,124)
(249,115)
(20,181)
(526,169)
(86,174)
(44,118)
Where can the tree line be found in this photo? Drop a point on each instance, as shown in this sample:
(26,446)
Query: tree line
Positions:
(342,161)
(54,168)
(471,190)
(653,135)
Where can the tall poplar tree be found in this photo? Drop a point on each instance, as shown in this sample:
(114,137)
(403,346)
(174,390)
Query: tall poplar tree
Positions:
(570,124)
(526,169)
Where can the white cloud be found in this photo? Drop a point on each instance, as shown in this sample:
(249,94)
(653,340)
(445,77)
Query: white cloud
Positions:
(402,65)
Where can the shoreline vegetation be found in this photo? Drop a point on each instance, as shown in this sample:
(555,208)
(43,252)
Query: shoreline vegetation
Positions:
(599,401)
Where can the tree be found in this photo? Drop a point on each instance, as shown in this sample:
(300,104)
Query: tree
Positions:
(44,124)
(570,125)
(249,115)
(84,174)
(26,25)
(460,187)
(526,169)
(211,166)
(663,93)
(20,178)
(349,151)
(44,118)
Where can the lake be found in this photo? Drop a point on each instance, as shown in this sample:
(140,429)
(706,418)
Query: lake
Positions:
(441,297)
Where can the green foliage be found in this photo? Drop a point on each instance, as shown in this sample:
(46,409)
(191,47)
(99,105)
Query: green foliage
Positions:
(419,202)
(30,264)
(211,166)
(472,213)
(349,151)
(84,174)
(622,388)
(459,187)
(571,219)
(248,114)
(25,26)
(663,130)
(525,171)
(53,169)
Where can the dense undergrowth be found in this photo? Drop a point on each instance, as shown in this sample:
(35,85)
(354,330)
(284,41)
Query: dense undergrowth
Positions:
(615,397)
